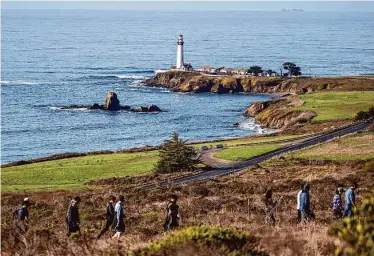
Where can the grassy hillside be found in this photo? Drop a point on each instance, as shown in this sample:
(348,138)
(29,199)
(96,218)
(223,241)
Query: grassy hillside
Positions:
(234,201)
(245,152)
(337,105)
(72,173)
(352,147)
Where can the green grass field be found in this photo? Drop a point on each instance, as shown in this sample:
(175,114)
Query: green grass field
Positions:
(245,152)
(249,140)
(72,173)
(337,105)
(352,147)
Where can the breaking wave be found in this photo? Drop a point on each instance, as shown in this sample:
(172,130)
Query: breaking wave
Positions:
(18,82)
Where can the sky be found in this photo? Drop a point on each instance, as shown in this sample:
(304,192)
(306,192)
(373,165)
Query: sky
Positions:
(194,5)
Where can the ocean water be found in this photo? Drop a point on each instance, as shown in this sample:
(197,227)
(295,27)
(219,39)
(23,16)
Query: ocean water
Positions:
(53,58)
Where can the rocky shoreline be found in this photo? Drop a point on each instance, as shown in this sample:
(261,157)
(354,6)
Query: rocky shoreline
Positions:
(178,81)
(274,113)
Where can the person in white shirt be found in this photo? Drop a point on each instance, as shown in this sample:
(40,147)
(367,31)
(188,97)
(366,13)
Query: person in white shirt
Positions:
(298,202)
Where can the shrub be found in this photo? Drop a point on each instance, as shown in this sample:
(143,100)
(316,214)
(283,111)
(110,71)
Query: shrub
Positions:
(203,238)
(176,156)
(364,115)
(357,233)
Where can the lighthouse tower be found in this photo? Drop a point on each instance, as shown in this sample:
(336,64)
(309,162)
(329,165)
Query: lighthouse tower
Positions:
(180,52)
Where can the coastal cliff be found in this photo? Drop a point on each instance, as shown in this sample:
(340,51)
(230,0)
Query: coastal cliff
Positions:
(279,113)
(195,82)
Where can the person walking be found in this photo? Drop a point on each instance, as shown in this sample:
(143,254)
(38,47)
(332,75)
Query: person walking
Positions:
(109,216)
(119,224)
(337,205)
(298,202)
(72,216)
(350,200)
(269,207)
(23,213)
(172,214)
(306,213)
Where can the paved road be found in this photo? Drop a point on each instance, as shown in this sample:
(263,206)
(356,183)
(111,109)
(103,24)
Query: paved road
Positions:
(238,166)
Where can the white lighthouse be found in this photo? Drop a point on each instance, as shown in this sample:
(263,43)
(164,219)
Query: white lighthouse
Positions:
(180,64)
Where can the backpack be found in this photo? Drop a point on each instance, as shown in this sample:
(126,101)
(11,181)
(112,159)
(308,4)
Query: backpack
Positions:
(18,213)
(21,212)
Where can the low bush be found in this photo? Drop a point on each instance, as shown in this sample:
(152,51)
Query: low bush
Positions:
(195,239)
(357,233)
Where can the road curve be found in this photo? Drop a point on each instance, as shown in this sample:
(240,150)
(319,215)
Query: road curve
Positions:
(235,167)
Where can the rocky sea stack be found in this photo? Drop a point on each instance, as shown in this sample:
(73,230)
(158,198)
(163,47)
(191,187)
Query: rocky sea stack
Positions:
(112,103)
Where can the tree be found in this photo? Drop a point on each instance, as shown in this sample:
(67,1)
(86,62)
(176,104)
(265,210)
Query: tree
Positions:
(292,69)
(271,72)
(255,70)
(176,156)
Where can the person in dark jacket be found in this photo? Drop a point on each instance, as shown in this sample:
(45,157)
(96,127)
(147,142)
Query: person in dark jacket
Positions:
(172,214)
(72,217)
(269,207)
(119,223)
(306,213)
(109,216)
(350,200)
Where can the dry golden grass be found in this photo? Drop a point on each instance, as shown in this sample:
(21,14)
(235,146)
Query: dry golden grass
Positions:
(233,201)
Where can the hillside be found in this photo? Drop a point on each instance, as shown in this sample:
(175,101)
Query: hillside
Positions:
(233,201)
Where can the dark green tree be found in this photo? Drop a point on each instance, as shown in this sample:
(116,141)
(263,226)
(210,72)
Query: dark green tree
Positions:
(292,69)
(271,72)
(255,70)
(176,156)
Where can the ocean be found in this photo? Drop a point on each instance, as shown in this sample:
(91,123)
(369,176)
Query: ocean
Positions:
(54,58)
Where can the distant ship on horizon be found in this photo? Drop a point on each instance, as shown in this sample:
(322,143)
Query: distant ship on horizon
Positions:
(292,10)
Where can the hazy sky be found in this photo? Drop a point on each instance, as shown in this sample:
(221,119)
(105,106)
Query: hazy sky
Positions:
(194,5)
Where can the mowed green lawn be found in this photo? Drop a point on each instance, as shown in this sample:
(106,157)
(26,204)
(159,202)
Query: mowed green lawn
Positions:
(245,152)
(249,140)
(337,105)
(72,173)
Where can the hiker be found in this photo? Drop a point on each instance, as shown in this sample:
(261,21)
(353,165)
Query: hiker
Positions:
(298,202)
(72,217)
(22,213)
(337,205)
(109,216)
(350,200)
(172,214)
(269,207)
(119,224)
(306,213)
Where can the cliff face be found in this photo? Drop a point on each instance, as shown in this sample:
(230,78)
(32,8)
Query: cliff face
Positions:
(278,113)
(196,82)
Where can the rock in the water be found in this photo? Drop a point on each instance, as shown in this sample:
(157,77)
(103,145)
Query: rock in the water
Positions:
(153,108)
(236,124)
(141,109)
(96,106)
(112,102)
